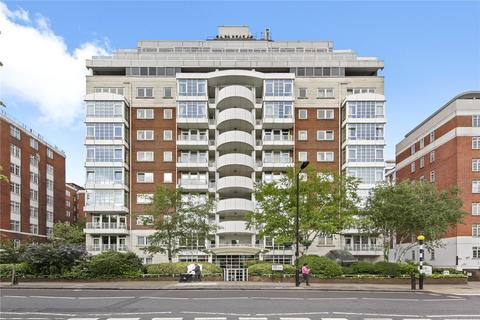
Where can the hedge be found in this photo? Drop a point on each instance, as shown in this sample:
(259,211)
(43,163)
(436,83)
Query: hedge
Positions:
(321,266)
(21,270)
(265,269)
(181,267)
(388,269)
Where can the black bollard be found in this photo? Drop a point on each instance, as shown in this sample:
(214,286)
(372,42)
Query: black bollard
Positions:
(413,281)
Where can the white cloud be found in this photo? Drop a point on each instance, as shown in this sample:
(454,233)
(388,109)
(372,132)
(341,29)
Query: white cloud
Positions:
(38,68)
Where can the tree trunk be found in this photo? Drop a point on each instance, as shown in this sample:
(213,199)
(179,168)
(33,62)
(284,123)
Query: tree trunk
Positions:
(14,280)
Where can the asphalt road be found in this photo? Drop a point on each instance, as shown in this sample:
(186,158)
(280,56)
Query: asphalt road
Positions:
(42,304)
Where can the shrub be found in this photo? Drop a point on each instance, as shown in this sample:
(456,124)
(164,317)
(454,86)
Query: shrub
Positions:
(392,269)
(113,263)
(181,267)
(265,268)
(321,266)
(21,269)
(46,258)
(364,267)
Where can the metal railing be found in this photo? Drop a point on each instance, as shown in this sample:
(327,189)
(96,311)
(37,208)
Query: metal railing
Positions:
(193,160)
(107,247)
(363,247)
(278,137)
(233,245)
(277,160)
(193,138)
(192,182)
(105,225)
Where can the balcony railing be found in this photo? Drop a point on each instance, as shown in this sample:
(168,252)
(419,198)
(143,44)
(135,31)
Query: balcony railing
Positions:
(105,225)
(107,247)
(363,247)
(278,137)
(277,160)
(192,160)
(192,182)
(234,245)
(192,138)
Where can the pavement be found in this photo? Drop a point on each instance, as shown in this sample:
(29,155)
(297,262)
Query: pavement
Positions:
(472,288)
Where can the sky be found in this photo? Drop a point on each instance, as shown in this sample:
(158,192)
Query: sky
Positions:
(431,51)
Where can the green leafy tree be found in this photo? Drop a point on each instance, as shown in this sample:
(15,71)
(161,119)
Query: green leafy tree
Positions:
(11,253)
(401,212)
(177,217)
(327,205)
(66,233)
(3,178)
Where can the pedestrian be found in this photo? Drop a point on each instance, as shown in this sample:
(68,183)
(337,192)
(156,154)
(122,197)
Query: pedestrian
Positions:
(198,272)
(305,272)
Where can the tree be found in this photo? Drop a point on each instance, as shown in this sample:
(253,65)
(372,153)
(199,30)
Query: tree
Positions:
(66,233)
(3,178)
(177,216)
(10,252)
(401,212)
(327,205)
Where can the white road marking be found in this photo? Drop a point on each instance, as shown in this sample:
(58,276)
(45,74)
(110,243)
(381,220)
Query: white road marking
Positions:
(294,318)
(290,313)
(332,298)
(213,318)
(40,313)
(51,297)
(334,319)
(376,314)
(167,318)
(222,298)
(377,318)
(123,319)
(252,318)
(23,297)
(83,319)
(216,313)
(164,298)
(451,316)
(98,298)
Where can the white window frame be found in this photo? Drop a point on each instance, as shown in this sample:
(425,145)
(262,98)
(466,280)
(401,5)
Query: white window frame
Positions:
(300,114)
(475,120)
(168,177)
(167,135)
(304,91)
(325,114)
(302,135)
(475,143)
(145,114)
(475,230)
(302,155)
(144,198)
(325,134)
(412,167)
(167,156)
(165,92)
(475,165)
(433,176)
(145,135)
(49,153)
(145,156)
(475,186)
(325,156)
(145,177)
(325,93)
(145,92)
(422,162)
(422,143)
(432,136)
(432,156)
(167,114)
(412,149)
(475,208)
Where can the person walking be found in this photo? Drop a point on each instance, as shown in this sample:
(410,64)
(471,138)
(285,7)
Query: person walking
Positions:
(306,272)
(198,272)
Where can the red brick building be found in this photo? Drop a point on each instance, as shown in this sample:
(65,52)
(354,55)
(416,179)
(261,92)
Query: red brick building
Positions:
(74,202)
(445,150)
(33,198)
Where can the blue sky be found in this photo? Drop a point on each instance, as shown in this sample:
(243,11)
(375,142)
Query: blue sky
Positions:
(431,50)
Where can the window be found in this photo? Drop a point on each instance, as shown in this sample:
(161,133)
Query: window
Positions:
(475,165)
(432,156)
(325,93)
(365,131)
(15,188)
(365,109)
(412,149)
(421,179)
(144,92)
(325,156)
(422,162)
(167,135)
(14,225)
(33,228)
(278,88)
(14,208)
(432,136)
(475,142)
(15,151)
(49,200)
(475,230)
(167,92)
(475,208)
(34,143)
(104,175)
(34,161)
(361,153)
(50,153)
(49,184)
(422,143)
(167,177)
(33,212)
(413,255)
(302,93)
(144,155)
(302,135)
(145,114)
(302,156)
(167,156)
(190,87)
(476,121)
(476,252)
(167,114)
(107,198)
(144,219)
(432,254)
(368,175)
(144,198)
(302,114)
(144,177)
(34,195)
(325,135)
(432,176)
(142,241)
(325,114)
(14,169)
(476,186)
(105,131)
(278,109)
(109,90)
(276,135)
(100,109)
(33,178)
(360,90)
(104,153)
(15,132)
(325,240)
(144,135)
(192,109)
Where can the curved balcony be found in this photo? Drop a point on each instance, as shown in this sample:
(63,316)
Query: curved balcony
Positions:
(235,162)
(234,183)
(234,227)
(235,205)
(235,96)
(235,118)
(238,140)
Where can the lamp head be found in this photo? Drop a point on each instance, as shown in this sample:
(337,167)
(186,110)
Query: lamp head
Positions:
(421,238)
(304,165)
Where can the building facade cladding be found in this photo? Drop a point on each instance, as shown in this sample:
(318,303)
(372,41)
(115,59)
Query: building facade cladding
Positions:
(33,198)
(442,150)
(218,120)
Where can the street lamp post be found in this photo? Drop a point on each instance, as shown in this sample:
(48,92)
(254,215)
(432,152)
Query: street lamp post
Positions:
(421,239)
(297,218)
